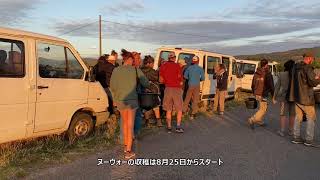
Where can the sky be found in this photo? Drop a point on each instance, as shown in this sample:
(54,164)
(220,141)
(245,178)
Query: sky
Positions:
(232,26)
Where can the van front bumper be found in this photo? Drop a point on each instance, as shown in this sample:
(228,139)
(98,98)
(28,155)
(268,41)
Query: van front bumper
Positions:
(101,117)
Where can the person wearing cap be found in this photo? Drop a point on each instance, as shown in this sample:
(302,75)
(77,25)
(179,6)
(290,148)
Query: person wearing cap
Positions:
(183,65)
(105,67)
(194,74)
(303,79)
(171,77)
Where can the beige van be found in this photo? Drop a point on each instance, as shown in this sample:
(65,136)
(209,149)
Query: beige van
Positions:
(248,67)
(208,60)
(46,88)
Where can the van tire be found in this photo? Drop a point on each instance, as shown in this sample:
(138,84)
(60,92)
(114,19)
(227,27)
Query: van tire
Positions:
(81,126)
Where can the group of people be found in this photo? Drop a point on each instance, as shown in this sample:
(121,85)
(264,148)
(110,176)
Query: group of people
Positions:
(177,83)
(294,92)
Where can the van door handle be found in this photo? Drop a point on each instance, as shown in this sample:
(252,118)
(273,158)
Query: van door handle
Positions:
(43,87)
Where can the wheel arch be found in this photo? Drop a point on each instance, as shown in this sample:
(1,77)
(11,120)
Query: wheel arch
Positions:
(86,110)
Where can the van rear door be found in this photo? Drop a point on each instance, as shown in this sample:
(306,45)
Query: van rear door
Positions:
(248,71)
(209,85)
(14,93)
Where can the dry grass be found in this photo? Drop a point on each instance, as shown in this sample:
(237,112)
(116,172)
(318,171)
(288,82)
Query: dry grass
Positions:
(19,158)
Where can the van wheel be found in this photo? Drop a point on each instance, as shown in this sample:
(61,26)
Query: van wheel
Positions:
(81,126)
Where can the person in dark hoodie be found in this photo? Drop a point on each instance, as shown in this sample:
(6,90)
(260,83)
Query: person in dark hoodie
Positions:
(262,86)
(302,94)
(221,89)
(153,77)
(105,67)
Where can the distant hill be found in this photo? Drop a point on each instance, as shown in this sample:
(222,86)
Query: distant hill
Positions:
(90,61)
(283,56)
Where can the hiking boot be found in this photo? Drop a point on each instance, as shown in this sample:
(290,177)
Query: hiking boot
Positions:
(169,130)
(221,113)
(159,123)
(262,124)
(281,133)
(192,117)
(290,132)
(309,143)
(179,130)
(129,155)
(251,124)
(297,140)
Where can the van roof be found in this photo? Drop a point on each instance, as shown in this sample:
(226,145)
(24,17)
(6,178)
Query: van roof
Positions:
(21,33)
(194,50)
(254,61)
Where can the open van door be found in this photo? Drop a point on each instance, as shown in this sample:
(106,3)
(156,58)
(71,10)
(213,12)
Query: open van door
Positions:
(15,87)
(209,85)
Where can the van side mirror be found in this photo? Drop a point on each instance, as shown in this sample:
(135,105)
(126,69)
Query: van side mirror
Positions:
(91,77)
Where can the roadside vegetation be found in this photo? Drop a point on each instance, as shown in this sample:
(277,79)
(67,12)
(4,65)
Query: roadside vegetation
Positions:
(19,158)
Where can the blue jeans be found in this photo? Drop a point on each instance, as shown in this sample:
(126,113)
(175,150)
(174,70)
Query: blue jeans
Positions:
(137,121)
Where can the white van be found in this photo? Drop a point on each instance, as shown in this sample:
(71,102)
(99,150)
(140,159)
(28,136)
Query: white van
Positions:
(208,60)
(46,88)
(248,68)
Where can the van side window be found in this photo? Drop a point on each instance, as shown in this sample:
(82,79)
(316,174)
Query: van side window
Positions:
(58,62)
(212,62)
(186,57)
(11,58)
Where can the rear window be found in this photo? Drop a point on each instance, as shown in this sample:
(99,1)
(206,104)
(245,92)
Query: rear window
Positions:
(164,56)
(186,57)
(11,58)
(248,68)
(212,62)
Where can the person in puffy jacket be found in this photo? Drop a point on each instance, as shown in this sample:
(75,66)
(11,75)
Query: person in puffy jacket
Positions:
(153,77)
(262,86)
(302,94)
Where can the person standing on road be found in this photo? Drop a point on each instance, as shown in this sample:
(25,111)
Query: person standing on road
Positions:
(221,89)
(153,77)
(280,94)
(262,85)
(171,76)
(138,119)
(123,86)
(301,92)
(194,74)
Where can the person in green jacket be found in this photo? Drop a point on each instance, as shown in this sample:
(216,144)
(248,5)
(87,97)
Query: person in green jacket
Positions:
(123,85)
